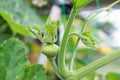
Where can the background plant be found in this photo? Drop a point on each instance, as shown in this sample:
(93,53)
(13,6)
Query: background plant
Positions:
(48,35)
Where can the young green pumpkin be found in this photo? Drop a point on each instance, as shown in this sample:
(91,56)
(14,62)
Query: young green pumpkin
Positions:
(50,50)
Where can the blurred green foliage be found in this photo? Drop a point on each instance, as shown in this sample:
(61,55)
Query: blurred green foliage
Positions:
(113,76)
(14,63)
(19,14)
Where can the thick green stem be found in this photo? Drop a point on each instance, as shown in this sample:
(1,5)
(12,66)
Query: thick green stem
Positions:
(96,64)
(54,66)
(61,56)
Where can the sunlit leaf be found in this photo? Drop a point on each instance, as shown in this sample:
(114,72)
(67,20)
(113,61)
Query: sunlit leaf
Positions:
(18,14)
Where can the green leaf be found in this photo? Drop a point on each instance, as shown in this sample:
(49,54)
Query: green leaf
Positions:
(12,59)
(78,4)
(34,72)
(88,39)
(13,62)
(113,76)
(18,14)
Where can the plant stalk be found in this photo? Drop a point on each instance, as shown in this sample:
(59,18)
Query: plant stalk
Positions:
(54,66)
(84,26)
(90,17)
(74,54)
(61,56)
(97,64)
(113,4)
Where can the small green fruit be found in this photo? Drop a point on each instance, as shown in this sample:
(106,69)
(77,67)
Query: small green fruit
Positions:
(50,50)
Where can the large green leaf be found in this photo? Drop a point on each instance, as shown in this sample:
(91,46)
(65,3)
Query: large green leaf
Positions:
(12,59)
(19,14)
(34,72)
(14,62)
